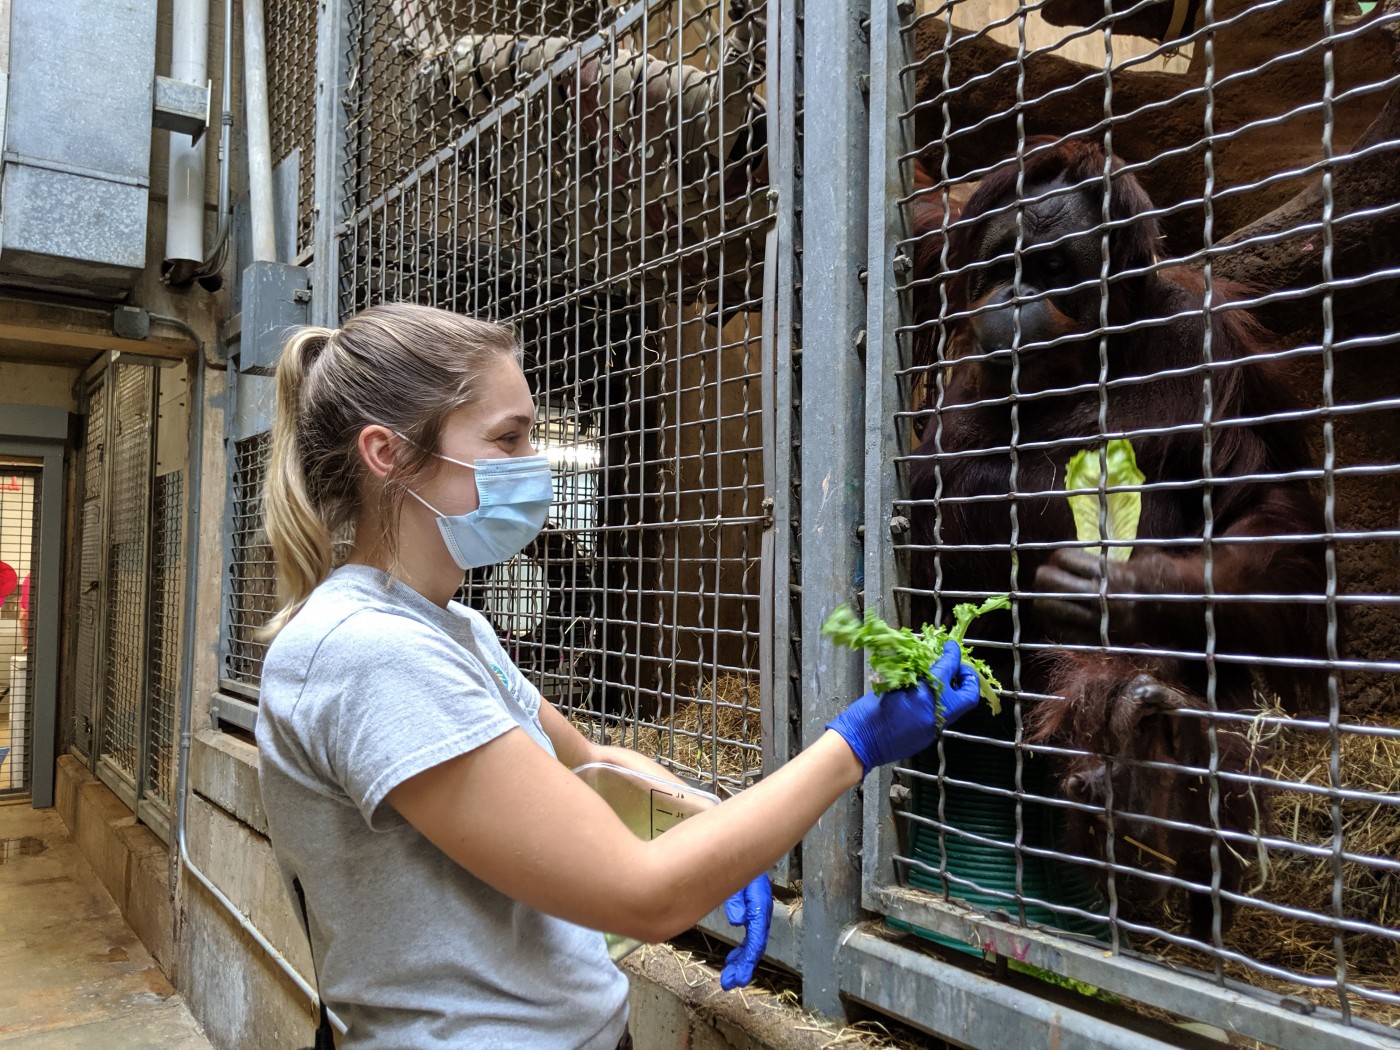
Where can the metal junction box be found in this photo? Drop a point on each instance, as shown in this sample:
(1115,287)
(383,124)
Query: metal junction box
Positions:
(275,303)
(77,144)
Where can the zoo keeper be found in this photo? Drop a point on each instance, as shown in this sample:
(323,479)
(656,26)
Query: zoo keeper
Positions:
(454,872)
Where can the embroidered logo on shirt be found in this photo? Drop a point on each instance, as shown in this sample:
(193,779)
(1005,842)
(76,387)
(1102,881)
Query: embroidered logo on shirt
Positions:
(500,677)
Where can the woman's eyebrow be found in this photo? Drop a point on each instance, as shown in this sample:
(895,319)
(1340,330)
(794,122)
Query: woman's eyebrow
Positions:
(522,420)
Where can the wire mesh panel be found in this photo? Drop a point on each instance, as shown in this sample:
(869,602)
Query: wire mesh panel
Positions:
(597,177)
(1147,262)
(291,95)
(127,531)
(87,668)
(19,559)
(167,568)
(252,592)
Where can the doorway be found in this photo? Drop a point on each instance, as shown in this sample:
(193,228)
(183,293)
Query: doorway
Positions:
(20,499)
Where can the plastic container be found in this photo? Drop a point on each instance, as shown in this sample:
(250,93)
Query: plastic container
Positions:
(989,859)
(648,805)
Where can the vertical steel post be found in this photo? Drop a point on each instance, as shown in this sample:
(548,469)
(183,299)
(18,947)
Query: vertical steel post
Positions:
(781,333)
(143,710)
(328,195)
(836,58)
(101,664)
(886,229)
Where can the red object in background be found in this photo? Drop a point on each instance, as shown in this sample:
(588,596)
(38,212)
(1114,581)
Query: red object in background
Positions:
(8,579)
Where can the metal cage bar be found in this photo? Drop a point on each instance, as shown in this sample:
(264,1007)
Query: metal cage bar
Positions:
(127,536)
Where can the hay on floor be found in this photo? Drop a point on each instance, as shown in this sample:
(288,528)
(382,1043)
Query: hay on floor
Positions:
(715,738)
(1293,879)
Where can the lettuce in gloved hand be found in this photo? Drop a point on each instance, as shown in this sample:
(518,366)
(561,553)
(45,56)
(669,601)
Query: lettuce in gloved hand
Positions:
(896,723)
(900,658)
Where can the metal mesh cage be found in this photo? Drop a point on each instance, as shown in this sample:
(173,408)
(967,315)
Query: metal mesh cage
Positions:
(606,195)
(87,669)
(291,88)
(1148,271)
(126,583)
(167,574)
(252,591)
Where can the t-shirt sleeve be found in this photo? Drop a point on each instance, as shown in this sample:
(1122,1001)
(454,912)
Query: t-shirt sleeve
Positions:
(520,687)
(397,698)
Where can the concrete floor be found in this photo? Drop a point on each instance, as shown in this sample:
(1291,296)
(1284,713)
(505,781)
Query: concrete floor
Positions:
(72,974)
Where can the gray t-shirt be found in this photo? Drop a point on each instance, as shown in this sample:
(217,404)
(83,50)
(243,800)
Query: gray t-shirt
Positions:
(368,685)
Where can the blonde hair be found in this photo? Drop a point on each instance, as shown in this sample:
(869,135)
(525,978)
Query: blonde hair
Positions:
(401,366)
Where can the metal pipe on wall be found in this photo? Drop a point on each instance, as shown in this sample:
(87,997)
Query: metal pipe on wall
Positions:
(226,123)
(260,204)
(184,219)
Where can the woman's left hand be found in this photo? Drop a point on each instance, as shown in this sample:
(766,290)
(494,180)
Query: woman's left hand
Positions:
(751,908)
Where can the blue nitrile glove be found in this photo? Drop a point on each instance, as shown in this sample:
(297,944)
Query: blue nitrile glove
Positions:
(903,722)
(751,908)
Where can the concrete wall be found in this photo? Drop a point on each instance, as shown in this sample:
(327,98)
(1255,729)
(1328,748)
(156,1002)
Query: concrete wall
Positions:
(233,987)
(32,384)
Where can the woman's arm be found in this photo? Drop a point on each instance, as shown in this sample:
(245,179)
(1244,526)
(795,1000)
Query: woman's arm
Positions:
(522,823)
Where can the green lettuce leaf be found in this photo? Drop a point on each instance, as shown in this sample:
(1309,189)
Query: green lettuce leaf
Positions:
(1124,508)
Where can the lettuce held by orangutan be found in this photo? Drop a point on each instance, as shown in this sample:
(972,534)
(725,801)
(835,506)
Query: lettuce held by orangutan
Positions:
(899,657)
(1120,519)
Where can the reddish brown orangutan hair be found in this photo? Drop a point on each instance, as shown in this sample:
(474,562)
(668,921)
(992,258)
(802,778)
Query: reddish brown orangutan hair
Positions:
(1110,686)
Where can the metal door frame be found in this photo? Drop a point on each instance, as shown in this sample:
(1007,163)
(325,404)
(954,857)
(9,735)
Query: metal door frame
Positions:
(39,433)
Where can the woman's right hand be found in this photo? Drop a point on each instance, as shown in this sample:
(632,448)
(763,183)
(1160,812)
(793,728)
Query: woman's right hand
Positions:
(902,722)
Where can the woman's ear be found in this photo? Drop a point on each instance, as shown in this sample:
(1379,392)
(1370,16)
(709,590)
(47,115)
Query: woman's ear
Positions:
(378,447)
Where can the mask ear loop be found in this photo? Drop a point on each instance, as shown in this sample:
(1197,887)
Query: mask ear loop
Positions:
(439,455)
(425,503)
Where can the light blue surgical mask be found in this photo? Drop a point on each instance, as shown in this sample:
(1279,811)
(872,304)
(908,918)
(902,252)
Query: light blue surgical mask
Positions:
(514,496)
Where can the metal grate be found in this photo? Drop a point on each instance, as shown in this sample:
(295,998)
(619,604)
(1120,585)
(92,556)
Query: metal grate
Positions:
(1202,769)
(20,491)
(167,563)
(88,670)
(253,582)
(291,76)
(607,195)
(128,495)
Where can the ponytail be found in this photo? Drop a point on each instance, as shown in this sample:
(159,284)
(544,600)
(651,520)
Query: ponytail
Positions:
(300,538)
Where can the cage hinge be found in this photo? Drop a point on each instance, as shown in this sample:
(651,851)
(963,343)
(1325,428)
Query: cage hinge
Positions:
(767,520)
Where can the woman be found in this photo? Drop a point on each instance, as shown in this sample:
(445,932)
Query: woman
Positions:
(418,790)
